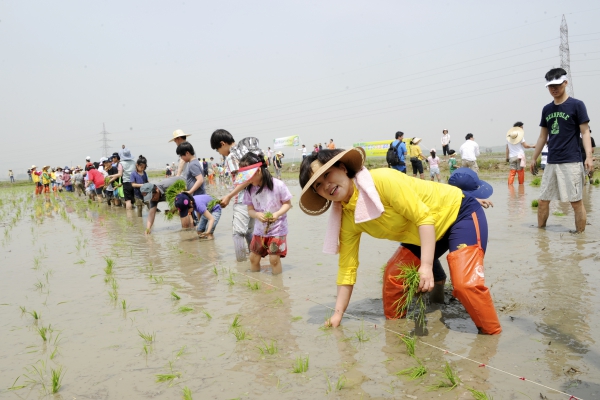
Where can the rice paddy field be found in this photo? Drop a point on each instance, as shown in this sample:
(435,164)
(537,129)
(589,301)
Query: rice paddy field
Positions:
(92,308)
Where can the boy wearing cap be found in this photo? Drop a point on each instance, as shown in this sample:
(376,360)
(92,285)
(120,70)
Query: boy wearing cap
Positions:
(515,152)
(562,122)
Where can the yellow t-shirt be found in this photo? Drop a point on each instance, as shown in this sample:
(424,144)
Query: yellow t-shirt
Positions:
(415,151)
(35,177)
(408,203)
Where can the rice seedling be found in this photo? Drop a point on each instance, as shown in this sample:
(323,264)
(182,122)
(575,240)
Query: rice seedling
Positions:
(537,181)
(300,365)
(534,203)
(36,262)
(181,351)
(410,342)
(158,279)
(23,310)
(47,274)
(187,393)
(230,280)
(596,182)
(452,379)
(57,377)
(298,318)
(235,323)
(44,332)
(268,348)
(185,309)
(479,395)
(253,286)
(240,334)
(39,285)
(174,295)
(361,335)
(409,274)
(14,387)
(35,314)
(174,190)
(278,301)
(215,271)
(558,213)
(414,372)
(114,295)
(124,304)
(114,284)
(108,270)
(269,217)
(161,378)
(54,353)
(207,314)
(80,261)
(148,337)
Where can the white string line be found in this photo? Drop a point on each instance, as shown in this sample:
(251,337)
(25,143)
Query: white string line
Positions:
(571,397)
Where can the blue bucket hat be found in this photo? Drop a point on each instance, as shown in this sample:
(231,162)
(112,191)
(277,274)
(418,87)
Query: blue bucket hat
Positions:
(467,180)
(183,202)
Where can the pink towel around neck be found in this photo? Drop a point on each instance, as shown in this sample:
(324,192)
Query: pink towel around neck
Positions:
(368,207)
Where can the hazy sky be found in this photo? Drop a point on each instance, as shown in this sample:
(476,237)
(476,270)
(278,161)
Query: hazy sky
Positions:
(347,70)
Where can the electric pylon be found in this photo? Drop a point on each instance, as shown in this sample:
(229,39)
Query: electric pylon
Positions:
(565,55)
(104,141)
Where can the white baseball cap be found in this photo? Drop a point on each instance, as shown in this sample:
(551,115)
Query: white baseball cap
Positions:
(557,81)
(88,158)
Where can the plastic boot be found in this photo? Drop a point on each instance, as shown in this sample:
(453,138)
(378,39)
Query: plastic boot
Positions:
(511,176)
(521,174)
(466,272)
(393,289)
(437,294)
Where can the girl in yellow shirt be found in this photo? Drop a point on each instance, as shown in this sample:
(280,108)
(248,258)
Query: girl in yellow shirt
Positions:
(416,157)
(428,218)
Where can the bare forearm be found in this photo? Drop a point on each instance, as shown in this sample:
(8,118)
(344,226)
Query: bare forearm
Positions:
(285,207)
(344,292)
(427,237)
(197,184)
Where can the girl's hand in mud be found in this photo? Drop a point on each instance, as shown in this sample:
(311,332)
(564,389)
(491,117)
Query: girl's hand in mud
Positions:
(426,281)
(202,234)
(334,321)
(485,203)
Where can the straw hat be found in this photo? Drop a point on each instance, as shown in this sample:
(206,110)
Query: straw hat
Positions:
(46,167)
(33,167)
(416,140)
(515,135)
(311,202)
(178,133)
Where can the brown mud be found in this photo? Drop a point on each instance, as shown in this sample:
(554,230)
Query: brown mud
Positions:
(53,262)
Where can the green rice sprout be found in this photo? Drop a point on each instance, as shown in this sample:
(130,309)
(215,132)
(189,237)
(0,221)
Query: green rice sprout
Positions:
(537,181)
(114,295)
(300,365)
(452,379)
(253,286)
(173,190)
(479,395)
(230,280)
(81,261)
(146,350)
(36,260)
(534,203)
(124,304)
(158,279)
(54,353)
(278,301)
(160,378)
(39,285)
(207,314)
(361,335)
(596,181)
(409,274)
(341,382)
(57,377)
(148,337)
(298,318)
(108,270)
(409,341)
(185,309)
(414,372)
(240,334)
(181,351)
(35,314)
(174,295)
(558,213)
(44,332)
(268,348)
(23,310)
(114,284)
(215,271)
(187,393)
(14,387)
(235,323)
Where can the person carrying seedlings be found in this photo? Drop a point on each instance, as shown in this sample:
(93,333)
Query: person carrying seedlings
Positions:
(434,165)
(223,142)
(207,209)
(562,122)
(427,218)
(268,202)
(138,178)
(515,152)
(154,194)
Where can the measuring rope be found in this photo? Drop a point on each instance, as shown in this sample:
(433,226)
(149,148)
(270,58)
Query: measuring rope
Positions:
(480,364)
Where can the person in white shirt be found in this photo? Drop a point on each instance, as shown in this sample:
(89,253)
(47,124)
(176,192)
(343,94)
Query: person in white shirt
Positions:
(469,152)
(303,150)
(445,142)
(515,152)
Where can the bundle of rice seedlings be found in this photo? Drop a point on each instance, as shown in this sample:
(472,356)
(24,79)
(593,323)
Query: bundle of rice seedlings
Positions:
(174,190)
(269,216)
(414,372)
(409,274)
(537,181)
(534,203)
(452,379)
(479,395)
(211,204)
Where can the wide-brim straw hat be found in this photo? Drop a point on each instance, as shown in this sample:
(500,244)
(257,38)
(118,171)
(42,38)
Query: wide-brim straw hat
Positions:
(515,135)
(311,202)
(178,133)
(46,167)
(416,140)
(33,167)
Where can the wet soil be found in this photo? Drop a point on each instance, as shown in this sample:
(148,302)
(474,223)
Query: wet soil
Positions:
(54,254)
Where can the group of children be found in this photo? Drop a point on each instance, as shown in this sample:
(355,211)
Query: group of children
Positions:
(55,179)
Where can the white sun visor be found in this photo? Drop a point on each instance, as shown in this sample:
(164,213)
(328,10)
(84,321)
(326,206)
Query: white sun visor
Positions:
(557,81)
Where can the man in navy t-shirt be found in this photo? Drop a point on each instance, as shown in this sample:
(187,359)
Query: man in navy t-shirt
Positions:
(401,150)
(562,122)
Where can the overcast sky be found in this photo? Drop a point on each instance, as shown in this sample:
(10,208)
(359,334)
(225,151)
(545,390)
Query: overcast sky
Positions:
(347,70)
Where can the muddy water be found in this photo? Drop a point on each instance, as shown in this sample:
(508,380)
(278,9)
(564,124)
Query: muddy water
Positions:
(543,283)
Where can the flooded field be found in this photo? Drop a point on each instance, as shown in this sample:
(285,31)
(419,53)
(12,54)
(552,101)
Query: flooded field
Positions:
(116,314)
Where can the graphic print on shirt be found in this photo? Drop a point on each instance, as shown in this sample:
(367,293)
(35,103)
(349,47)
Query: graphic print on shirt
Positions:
(555,130)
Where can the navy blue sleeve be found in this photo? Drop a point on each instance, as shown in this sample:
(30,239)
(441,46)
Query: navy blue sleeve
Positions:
(543,123)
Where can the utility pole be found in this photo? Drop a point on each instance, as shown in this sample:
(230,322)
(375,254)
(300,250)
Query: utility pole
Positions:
(565,55)
(104,141)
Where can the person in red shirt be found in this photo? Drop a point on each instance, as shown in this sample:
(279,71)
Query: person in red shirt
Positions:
(97,178)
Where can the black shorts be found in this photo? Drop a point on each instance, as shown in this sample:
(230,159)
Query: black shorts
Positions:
(128,191)
(417,166)
(99,190)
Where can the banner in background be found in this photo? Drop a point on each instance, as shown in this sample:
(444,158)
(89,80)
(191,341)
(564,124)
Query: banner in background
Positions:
(288,141)
(375,149)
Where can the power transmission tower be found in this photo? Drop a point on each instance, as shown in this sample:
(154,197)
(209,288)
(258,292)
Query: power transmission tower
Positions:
(104,141)
(565,55)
